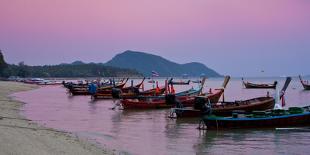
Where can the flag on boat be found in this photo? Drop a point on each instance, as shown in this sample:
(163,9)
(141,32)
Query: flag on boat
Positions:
(154,73)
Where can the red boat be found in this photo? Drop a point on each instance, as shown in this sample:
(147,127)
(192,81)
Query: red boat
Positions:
(164,101)
(154,102)
(184,99)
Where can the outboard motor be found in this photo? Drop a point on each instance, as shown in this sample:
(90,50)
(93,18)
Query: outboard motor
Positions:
(200,104)
(116,93)
(170,99)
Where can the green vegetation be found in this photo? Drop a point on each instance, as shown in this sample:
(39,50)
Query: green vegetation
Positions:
(128,63)
(83,70)
(3,64)
(64,70)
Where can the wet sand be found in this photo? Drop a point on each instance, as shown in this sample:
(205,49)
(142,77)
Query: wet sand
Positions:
(19,135)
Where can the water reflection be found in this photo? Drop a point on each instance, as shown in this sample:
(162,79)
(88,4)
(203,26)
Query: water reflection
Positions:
(152,132)
(252,142)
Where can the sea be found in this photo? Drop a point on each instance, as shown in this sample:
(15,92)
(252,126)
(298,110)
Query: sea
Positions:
(148,132)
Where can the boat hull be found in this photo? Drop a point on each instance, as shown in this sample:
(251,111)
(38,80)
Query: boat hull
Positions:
(293,120)
(155,103)
(259,86)
(304,84)
(306,87)
(226,108)
(186,98)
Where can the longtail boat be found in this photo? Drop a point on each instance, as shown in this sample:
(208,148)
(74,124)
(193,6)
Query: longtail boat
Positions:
(196,81)
(49,82)
(153,92)
(76,89)
(225,108)
(126,89)
(250,85)
(305,84)
(171,82)
(33,80)
(119,86)
(158,102)
(184,98)
(275,118)
(120,92)
(84,89)
(279,118)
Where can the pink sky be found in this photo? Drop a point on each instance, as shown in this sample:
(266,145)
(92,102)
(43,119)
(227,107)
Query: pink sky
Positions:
(210,31)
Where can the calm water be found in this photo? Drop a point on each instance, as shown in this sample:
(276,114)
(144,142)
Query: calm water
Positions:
(151,132)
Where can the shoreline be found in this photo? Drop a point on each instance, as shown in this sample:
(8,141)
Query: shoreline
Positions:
(19,135)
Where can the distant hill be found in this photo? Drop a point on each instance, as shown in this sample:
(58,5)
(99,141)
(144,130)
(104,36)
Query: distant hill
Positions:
(145,63)
(74,69)
(77,63)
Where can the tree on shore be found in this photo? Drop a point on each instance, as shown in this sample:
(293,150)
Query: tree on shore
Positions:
(3,64)
(76,69)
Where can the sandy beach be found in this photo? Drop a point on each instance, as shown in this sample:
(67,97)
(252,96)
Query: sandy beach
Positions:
(19,135)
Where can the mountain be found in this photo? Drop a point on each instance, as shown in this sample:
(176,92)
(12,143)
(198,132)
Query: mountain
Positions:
(77,63)
(146,63)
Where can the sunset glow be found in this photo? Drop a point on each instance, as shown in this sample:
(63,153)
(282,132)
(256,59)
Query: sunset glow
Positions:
(272,33)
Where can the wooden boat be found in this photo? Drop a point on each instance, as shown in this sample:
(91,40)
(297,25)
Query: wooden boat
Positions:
(184,98)
(127,89)
(102,85)
(70,85)
(78,91)
(250,85)
(115,93)
(79,88)
(157,102)
(305,84)
(274,118)
(225,108)
(34,80)
(153,92)
(135,93)
(118,92)
(171,82)
(83,89)
(49,82)
(293,117)
(196,81)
